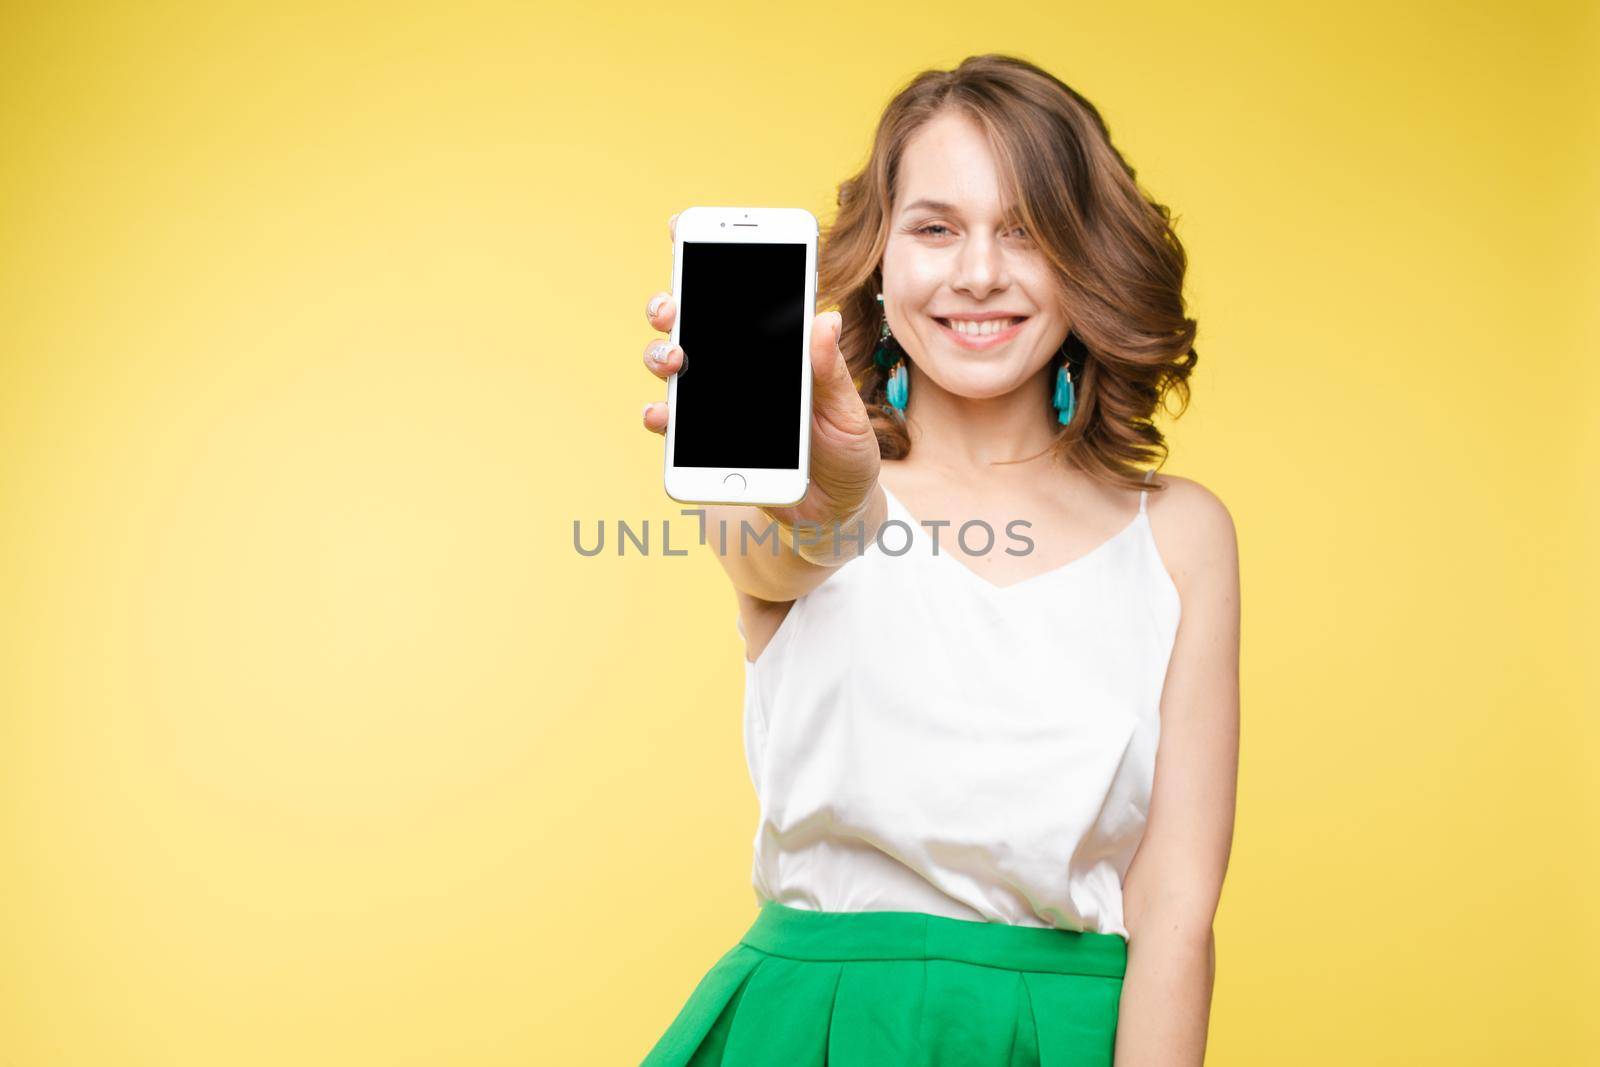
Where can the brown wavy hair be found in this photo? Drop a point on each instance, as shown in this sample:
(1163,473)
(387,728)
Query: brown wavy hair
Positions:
(1112,247)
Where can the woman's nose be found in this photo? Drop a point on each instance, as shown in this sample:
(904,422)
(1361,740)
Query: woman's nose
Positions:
(980,268)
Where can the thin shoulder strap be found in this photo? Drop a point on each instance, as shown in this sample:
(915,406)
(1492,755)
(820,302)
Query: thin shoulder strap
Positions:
(1143,493)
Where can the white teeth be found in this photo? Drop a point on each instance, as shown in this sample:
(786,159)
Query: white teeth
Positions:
(981,329)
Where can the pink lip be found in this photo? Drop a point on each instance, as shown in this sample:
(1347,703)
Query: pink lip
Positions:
(978,344)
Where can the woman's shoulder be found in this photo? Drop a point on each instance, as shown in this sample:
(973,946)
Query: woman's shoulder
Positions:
(1192,527)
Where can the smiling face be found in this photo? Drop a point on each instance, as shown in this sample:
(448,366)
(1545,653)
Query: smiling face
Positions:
(968,295)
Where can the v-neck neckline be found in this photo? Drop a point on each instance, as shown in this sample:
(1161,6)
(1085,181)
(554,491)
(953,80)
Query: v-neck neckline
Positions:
(919,534)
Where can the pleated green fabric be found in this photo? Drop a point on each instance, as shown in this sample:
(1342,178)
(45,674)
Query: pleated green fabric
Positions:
(883,988)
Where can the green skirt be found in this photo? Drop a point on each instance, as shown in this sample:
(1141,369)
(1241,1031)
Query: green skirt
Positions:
(886,988)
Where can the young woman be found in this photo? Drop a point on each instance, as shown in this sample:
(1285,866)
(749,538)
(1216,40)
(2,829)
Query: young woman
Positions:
(993,726)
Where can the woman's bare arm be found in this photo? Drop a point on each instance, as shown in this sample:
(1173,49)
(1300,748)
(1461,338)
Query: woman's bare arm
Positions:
(773,562)
(1172,887)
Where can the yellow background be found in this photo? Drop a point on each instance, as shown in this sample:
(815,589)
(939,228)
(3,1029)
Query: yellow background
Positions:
(320,325)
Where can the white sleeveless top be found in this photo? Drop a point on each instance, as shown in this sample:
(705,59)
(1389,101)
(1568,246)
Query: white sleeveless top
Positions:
(923,740)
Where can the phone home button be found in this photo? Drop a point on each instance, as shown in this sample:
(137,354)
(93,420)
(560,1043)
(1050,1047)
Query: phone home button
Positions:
(735,483)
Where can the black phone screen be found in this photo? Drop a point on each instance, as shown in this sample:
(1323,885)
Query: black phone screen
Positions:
(742,315)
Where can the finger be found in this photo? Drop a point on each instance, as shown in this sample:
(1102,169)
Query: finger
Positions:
(672,226)
(663,358)
(833,390)
(660,311)
(655,416)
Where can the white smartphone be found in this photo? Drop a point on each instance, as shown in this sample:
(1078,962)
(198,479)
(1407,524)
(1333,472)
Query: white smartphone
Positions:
(744,280)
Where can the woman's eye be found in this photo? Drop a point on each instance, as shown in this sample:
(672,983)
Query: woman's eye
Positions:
(1019,232)
(932,226)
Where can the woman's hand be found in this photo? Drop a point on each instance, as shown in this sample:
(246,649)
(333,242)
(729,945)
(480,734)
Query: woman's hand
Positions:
(844,449)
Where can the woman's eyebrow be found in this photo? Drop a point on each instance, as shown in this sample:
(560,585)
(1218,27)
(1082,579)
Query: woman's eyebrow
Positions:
(940,206)
(931,205)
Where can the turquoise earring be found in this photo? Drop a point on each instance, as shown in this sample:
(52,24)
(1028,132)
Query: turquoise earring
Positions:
(1065,399)
(899,384)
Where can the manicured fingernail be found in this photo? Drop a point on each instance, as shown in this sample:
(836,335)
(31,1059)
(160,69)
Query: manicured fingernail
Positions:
(659,351)
(655,305)
(646,410)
